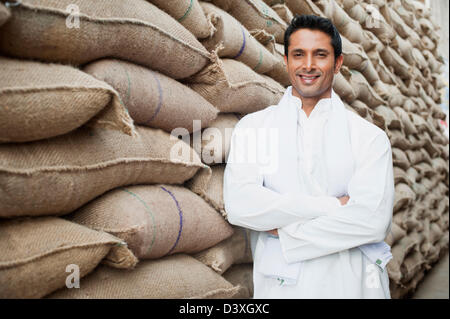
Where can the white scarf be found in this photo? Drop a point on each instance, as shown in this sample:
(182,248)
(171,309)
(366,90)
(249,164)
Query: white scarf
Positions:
(333,169)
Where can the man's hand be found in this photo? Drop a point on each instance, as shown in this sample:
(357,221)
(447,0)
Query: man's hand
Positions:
(273,232)
(343,200)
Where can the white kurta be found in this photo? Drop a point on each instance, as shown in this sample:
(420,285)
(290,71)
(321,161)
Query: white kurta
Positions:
(313,227)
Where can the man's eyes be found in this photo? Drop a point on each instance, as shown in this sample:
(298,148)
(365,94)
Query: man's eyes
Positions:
(318,54)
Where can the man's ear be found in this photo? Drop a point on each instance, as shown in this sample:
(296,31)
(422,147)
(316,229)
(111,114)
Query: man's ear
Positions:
(338,64)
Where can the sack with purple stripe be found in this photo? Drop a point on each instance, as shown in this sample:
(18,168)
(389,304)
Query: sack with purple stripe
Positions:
(156,220)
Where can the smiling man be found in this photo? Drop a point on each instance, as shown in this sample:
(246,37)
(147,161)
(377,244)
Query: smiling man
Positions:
(319,219)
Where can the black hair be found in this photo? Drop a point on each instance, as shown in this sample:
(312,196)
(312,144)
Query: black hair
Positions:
(314,23)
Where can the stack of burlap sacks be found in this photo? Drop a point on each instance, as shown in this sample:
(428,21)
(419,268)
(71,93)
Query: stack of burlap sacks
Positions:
(88,137)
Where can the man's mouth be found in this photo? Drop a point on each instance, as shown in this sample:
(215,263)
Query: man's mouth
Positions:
(308,78)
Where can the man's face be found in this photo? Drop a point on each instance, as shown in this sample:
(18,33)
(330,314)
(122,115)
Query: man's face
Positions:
(310,63)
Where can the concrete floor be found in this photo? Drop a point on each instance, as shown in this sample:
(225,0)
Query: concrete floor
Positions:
(435,285)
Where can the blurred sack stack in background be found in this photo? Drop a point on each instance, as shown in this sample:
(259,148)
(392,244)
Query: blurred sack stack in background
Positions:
(93,176)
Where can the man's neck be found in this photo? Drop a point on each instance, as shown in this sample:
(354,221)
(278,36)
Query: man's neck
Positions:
(308,103)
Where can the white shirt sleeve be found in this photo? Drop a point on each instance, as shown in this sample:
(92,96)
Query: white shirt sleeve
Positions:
(251,205)
(364,219)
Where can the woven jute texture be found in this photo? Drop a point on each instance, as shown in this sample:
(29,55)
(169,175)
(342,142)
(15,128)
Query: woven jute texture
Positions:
(241,275)
(231,86)
(283,12)
(210,187)
(232,251)
(4,14)
(134,30)
(152,98)
(41,100)
(36,253)
(216,139)
(189,13)
(177,276)
(232,40)
(156,220)
(279,71)
(255,15)
(58,175)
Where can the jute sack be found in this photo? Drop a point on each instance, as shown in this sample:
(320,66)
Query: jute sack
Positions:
(400,176)
(255,15)
(383,71)
(375,22)
(58,175)
(412,87)
(440,166)
(5,14)
(232,251)
(214,145)
(348,27)
(45,100)
(408,125)
(210,187)
(279,71)
(400,159)
(419,59)
(390,117)
(404,196)
(404,48)
(404,291)
(304,7)
(395,234)
(413,174)
(343,87)
(412,265)
(425,170)
(415,142)
(370,73)
(392,58)
(410,106)
(232,40)
(348,4)
(417,156)
(428,43)
(414,38)
(354,56)
(273,2)
(419,122)
(429,145)
(153,99)
(397,23)
(421,192)
(434,64)
(133,30)
(231,86)
(408,219)
(361,109)
(389,93)
(155,220)
(189,14)
(426,26)
(399,251)
(426,98)
(36,254)
(283,12)
(364,91)
(177,276)
(398,139)
(241,275)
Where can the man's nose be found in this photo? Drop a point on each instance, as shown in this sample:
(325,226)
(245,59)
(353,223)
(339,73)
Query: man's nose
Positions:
(309,63)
